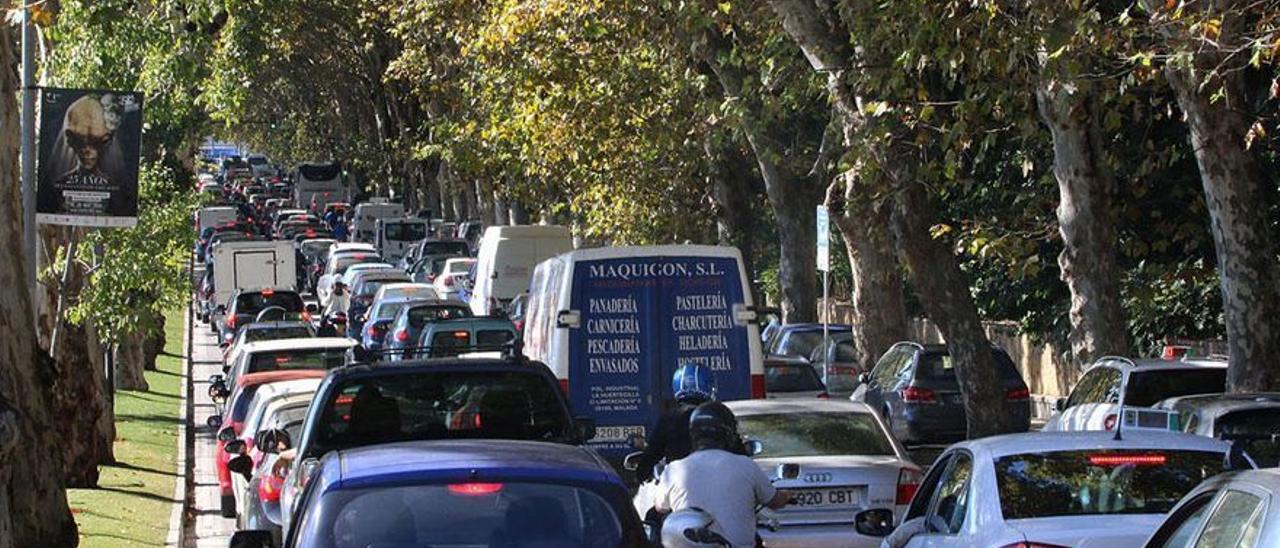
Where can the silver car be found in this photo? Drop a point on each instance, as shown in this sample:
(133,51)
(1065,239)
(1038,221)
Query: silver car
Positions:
(1236,509)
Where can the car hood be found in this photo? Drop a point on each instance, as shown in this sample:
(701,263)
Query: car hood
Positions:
(1094,531)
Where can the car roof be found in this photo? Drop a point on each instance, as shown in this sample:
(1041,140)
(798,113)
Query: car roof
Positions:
(461,460)
(1218,404)
(281,389)
(264,377)
(773,407)
(1049,442)
(1155,364)
(313,343)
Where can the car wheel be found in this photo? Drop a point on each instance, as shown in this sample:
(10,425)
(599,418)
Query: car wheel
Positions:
(228,506)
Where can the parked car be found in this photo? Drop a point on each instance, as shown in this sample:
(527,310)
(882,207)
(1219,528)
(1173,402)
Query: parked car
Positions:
(362,405)
(1250,419)
(791,378)
(445,338)
(407,328)
(1095,400)
(852,480)
(1237,509)
(1084,489)
(914,387)
(462,493)
(799,339)
(837,364)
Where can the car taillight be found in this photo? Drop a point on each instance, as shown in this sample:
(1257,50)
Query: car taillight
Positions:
(474,488)
(519,324)
(1109,422)
(1017,394)
(564,387)
(269,488)
(306,316)
(757,387)
(908,481)
(402,335)
(915,394)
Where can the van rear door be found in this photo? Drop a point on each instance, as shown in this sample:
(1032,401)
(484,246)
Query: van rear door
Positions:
(639,318)
(260,268)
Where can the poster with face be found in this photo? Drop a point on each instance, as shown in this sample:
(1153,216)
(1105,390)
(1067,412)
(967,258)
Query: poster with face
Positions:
(89,147)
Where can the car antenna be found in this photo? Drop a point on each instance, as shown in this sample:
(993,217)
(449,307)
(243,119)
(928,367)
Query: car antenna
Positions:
(1124,387)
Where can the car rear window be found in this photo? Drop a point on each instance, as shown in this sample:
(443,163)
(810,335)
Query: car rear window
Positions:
(276,333)
(420,315)
(791,378)
(939,367)
(253,303)
(1255,428)
(815,433)
(406,232)
(1145,388)
(442,405)
(387,311)
(345,261)
(800,343)
(463,515)
(319,358)
(1076,483)
(494,337)
(445,248)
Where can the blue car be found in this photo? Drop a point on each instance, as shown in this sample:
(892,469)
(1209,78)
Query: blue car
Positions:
(379,319)
(403,336)
(461,493)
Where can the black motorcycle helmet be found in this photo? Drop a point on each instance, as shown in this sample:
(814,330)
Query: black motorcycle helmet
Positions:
(713,426)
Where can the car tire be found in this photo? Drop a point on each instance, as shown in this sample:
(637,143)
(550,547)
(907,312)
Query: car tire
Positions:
(228,506)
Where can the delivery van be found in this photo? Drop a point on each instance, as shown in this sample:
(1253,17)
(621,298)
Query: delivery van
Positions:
(397,236)
(506,259)
(214,216)
(364,222)
(239,266)
(614,323)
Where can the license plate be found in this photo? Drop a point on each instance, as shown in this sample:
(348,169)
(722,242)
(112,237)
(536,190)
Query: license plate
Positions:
(826,498)
(616,433)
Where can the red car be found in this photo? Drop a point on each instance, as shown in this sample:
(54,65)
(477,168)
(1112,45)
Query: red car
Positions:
(233,416)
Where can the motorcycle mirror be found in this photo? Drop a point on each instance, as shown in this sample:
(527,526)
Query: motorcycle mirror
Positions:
(754,447)
(632,461)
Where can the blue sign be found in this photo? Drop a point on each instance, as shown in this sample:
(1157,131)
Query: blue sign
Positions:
(640,318)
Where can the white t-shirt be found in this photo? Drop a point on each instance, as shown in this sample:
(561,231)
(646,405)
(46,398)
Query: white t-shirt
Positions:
(725,485)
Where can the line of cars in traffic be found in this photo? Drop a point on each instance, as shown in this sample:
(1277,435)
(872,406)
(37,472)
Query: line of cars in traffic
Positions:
(428,421)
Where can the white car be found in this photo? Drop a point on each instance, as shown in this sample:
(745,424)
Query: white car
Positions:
(450,278)
(1095,400)
(316,353)
(336,266)
(1078,489)
(406,289)
(850,477)
(266,400)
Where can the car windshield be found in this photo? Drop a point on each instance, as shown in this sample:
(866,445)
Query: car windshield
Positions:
(1076,483)
(1255,427)
(445,248)
(420,315)
(253,303)
(406,232)
(1145,388)
(318,358)
(463,516)
(276,333)
(813,433)
(939,367)
(442,405)
(791,378)
(800,343)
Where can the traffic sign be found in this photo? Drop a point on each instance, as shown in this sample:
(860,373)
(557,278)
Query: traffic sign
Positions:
(824,239)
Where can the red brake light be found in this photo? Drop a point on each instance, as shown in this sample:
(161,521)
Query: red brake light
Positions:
(282,359)
(564,387)
(1017,394)
(471,489)
(360,256)
(268,293)
(1109,422)
(757,387)
(402,335)
(344,399)
(915,394)
(1145,459)
(908,481)
(461,334)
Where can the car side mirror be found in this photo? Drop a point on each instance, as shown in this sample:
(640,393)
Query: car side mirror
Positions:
(754,447)
(864,378)
(214,421)
(241,464)
(226,434)
(1060,404)
(584,429)
(273,440)
(234,447)
(252,539)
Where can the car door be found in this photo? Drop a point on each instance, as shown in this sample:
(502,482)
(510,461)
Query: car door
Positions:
(1235,520)
(948,506)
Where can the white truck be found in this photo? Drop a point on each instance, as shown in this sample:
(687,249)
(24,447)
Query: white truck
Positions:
(366,216)
(396,236)
(319,182)
(250,265)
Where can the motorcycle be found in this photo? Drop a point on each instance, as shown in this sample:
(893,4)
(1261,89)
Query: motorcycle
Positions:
(333,325)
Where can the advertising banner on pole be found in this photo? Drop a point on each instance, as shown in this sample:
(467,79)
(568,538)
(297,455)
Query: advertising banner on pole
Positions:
(89,151)
(824,239)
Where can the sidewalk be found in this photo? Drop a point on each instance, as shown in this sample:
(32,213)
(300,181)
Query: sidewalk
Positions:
(205,526)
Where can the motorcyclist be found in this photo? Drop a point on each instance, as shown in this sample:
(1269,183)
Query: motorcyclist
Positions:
(339,300)
(693,385)
(727,486)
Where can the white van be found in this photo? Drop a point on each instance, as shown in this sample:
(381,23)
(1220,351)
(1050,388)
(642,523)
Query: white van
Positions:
(613,324)
(367,215)
(396,236)
(251,265)
(507,257)
(214,216)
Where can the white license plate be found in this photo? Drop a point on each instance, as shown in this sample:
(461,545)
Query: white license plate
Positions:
(840,497)
(616,433)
